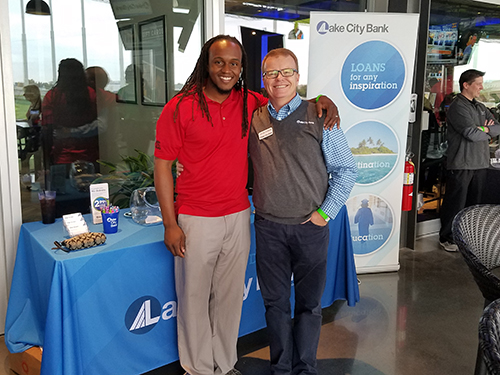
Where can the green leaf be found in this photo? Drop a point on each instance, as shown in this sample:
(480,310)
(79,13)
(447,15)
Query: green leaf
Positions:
(133,172)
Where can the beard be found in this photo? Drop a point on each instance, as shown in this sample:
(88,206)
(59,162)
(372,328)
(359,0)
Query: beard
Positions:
(219,89)
(222,91)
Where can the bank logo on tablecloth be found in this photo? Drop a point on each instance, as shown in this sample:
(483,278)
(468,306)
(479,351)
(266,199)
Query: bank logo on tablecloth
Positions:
(373,75)
(145,312)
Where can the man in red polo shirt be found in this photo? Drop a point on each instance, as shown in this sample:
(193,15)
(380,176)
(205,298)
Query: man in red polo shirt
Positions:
(207,228)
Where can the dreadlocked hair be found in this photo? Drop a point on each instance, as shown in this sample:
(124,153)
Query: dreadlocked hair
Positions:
(196,81)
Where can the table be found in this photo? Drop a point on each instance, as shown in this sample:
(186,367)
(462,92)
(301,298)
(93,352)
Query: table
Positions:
(111,309)
(491,195)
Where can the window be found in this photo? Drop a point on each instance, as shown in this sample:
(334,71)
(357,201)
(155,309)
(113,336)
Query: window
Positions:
(134,56)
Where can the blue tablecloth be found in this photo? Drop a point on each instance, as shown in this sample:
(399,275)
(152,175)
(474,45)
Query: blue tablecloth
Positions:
(111,309)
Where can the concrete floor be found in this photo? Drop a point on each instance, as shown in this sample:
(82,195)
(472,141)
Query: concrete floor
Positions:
(420,320)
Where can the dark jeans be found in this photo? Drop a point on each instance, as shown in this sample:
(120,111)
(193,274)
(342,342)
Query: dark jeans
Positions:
(464,188)
(283,250)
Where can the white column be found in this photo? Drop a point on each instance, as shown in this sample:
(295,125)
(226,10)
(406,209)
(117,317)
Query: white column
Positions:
(10,196)
(84,37)
(52,43)
(214,18)
(25,45)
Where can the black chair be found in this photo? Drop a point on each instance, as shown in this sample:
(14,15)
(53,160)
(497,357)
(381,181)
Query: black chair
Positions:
(489,337)
(476,231)
(28,141)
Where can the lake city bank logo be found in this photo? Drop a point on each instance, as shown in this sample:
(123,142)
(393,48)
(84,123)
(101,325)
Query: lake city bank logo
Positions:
(145,312)
(322,27)
(113,221)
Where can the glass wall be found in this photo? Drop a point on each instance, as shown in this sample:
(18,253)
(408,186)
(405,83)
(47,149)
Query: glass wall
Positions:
(461,37)
(91,80)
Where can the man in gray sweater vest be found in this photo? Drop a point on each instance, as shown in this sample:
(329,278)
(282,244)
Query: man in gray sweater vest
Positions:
(303,176)
(470,127)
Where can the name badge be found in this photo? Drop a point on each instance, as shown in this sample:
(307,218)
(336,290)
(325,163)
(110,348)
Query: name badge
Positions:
(265,133)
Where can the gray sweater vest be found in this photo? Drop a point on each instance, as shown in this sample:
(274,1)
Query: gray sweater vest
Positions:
(290,177)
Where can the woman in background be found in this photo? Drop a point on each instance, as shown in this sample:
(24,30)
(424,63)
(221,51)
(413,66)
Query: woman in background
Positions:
(68,110)
(32,94)
(31,135)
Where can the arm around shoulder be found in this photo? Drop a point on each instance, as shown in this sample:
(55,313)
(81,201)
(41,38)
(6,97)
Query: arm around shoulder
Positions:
(324,103)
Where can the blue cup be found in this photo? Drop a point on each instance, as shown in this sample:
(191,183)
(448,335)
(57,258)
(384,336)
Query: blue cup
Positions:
(110,222)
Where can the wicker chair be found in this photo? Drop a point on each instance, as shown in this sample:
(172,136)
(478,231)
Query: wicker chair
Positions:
(489,337)
(476,231)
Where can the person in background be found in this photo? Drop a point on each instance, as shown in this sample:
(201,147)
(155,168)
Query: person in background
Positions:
(32,135)
(69,105)
(435,88)
(32,94)
(207,229)
(468,48)
(303,175)
(127,93)
(107,116)
(97,78)
(441,88)
(470,127)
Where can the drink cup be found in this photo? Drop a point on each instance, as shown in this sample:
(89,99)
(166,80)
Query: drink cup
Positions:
(110,222)
(47,200)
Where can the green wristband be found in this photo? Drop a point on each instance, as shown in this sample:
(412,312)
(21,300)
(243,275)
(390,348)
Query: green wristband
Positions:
(323,215)
(317,98)
(482,127)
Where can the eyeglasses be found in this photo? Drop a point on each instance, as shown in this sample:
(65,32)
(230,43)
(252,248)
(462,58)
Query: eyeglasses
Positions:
(273,74)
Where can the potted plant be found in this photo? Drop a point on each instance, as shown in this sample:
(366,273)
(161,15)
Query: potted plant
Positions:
(133,172)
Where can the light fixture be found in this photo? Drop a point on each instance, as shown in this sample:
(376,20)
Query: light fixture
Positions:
(296,33)
(496,2)
(38,7)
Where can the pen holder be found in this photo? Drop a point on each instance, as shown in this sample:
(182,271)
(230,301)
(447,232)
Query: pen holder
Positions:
(110,222)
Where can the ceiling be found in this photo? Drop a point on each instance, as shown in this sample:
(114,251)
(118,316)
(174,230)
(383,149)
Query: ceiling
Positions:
(289,9)
(442,11)
(483,18)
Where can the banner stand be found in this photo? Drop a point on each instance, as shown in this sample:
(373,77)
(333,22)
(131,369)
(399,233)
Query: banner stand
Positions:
(366,62)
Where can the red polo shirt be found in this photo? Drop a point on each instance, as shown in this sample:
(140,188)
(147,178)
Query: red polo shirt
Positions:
(214,154)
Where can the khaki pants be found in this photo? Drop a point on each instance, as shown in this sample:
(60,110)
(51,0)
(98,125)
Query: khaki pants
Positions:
(210,284)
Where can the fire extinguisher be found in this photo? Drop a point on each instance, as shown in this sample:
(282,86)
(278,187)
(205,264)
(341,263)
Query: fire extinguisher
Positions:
(408,185)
